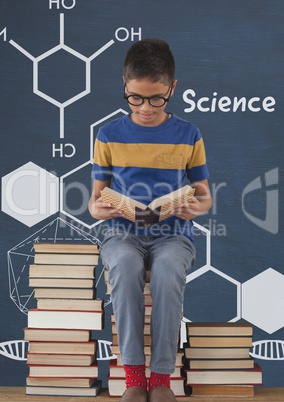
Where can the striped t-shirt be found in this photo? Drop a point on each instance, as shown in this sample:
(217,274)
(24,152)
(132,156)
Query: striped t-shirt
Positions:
(147,162)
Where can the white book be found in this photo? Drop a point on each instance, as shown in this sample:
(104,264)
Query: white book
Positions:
(64,371)
(57,391)
(92,320)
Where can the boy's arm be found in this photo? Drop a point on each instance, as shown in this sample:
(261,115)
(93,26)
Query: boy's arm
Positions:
(201,202)
(98,209)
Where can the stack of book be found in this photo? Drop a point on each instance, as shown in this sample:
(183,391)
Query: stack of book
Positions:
(62,355)
(116,379)
(218,362)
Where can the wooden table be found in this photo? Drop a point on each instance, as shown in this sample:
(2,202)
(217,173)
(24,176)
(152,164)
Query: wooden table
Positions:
(17,394)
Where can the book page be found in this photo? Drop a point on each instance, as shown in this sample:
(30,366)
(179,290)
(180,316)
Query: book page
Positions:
(175,197)
(122,202)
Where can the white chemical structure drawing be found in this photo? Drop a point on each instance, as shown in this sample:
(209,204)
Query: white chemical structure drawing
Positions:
(22,255)
(265,289)
(17,350)
(62,47)
(121,34)
(202,271)
(58,230)
(117,113)
(19,259)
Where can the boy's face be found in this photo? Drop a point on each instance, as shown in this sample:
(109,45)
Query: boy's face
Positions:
(145,114)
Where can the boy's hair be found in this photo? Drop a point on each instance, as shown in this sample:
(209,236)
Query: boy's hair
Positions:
(149,59)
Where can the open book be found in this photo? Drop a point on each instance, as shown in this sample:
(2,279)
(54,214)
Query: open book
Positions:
(156,211)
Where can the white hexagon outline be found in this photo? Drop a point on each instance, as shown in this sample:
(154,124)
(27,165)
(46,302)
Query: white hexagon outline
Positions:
(90,161)
(61,206)
(207,268)
(109,116)
(250,280)
(81,94)
(61,45)
(202,270)
(31,165)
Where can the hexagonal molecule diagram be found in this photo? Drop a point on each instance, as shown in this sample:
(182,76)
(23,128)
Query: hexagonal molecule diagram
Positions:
(74,185)
(22,255)
(19,259)
(262,305)
(30,194)
(263,302)
(201,301)
(81,65)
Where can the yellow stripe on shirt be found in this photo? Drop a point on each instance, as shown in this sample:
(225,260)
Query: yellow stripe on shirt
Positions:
(161,156)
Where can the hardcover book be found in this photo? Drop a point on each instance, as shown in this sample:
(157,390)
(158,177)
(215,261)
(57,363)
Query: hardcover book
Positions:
(74,348)
(220,363)
(66,248)
(67,259)
(70,304)
(48,359)
(92,320)
(220,341)
(222,390)
(217,353)
(157,211)
(243,376)
(61,283)
(59,335)
(219,329)
(65,293)
(116,386)
(62,271)
(64,371)
(63,391)
(60,381)
(117,370)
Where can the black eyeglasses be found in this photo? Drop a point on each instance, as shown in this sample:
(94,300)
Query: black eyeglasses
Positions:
(155,101)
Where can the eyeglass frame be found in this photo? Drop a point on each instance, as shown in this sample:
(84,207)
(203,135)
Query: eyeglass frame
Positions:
(143,98)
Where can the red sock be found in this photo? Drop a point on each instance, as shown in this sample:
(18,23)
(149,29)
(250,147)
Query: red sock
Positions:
(159,380)
(135,376)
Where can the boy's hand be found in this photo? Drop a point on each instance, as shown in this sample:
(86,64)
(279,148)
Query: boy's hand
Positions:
(103,211)
(198,205)
(188,210)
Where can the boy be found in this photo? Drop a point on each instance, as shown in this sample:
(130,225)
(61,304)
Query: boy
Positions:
(147,154)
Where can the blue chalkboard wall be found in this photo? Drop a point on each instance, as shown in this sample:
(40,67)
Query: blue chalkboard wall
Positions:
(60,79)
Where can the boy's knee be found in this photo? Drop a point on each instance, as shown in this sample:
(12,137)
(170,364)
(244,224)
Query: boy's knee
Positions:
(168,271)
(126,266)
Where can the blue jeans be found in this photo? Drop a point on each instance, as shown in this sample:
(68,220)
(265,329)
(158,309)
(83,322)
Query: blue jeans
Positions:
(170,258)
